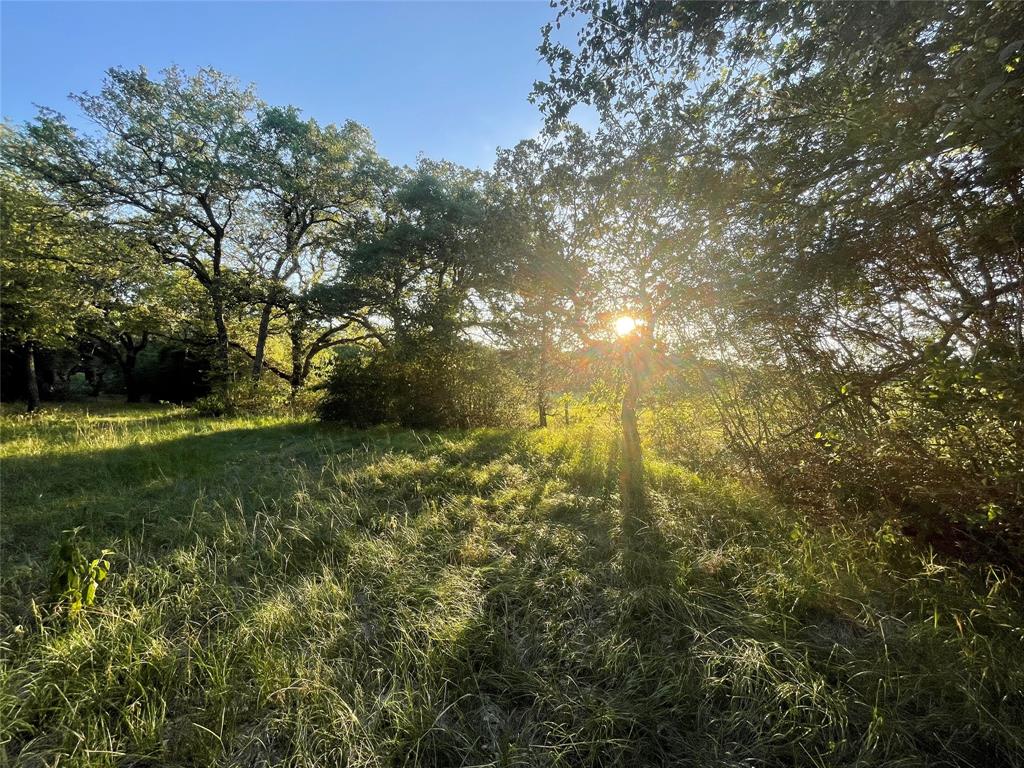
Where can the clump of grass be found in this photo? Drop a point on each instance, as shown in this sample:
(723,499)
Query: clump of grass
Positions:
(287,594)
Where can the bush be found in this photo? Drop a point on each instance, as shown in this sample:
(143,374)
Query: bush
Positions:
(243,395)
(424,384)
(939,451)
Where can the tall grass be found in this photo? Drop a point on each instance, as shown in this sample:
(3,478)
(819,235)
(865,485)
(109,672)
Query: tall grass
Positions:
(289,594)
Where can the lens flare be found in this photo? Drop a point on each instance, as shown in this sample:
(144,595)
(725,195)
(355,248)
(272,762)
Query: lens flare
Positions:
(624,325)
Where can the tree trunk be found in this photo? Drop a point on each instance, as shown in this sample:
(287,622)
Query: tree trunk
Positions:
(297,372)
(631,477)
(221,355)
(97,381)
(261,342)
(131,386)
(542,379)
(31,382)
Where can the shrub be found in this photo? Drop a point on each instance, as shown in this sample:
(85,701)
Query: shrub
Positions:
(940,451)
(358,389)
(243,395)
(424,384)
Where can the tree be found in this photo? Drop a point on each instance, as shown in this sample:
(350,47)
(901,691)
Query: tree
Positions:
(310,183)
(867,217)
(42,297)
(170,166)
(848,180)
(545,193)
(429,258)
(132,298)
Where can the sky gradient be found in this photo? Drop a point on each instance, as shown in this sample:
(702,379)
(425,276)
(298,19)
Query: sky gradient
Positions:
(450,80)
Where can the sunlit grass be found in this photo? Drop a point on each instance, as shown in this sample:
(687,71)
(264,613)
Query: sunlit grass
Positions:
(285,593)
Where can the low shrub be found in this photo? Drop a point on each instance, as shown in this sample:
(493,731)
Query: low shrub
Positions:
(455,384)
(244,396)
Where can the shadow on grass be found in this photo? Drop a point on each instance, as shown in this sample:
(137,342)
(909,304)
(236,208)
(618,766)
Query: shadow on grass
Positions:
(433,599)
(558,656)
(142,489)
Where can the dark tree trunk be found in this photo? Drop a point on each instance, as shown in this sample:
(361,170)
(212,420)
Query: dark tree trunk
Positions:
(542,411)
(97,381)
(131,385)
(211,281)
(221,356)
(31,382)
(298,367)
(261,342)
(131,353)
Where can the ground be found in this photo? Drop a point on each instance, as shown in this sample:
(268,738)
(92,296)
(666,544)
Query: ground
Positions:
(283,592)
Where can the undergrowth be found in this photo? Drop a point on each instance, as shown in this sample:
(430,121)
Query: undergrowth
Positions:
(283,593)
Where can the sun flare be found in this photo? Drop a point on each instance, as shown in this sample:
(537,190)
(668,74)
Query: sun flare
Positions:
(624,325)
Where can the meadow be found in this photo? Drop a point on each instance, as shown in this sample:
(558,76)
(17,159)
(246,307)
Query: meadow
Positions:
(283,592)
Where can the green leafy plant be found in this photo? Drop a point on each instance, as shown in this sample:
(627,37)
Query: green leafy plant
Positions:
(75,577)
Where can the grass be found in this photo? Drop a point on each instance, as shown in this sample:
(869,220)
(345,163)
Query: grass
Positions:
(285,593)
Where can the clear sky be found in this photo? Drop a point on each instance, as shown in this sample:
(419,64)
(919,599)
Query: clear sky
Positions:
(449,79)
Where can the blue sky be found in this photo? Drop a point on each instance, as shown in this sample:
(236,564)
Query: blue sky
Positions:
(449,79)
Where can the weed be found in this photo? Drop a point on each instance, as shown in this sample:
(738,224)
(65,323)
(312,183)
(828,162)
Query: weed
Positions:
(74,577)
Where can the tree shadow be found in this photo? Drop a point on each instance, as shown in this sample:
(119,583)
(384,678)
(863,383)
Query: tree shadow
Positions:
(243,523)
(464,600)
(538,670)
(150,490)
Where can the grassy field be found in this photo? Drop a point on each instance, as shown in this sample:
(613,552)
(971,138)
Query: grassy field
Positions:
(284,593)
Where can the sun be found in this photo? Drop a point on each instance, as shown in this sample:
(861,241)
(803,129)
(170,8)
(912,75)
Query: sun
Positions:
(624,325)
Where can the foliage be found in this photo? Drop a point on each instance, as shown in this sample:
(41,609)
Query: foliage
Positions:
(358,391)
(279,238)
(543,304)
(251,201)
(429,384)
(822,203)
(41,243)
(440,243)
(168,165)
(74,577)
(242,394)
(311,184)
(940,462)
